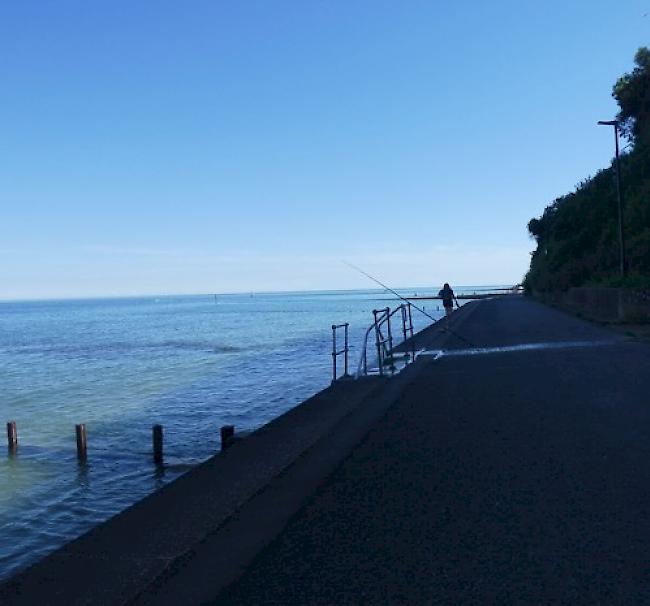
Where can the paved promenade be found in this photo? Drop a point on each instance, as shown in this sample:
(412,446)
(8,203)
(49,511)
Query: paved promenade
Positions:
(510,464)
(512,477)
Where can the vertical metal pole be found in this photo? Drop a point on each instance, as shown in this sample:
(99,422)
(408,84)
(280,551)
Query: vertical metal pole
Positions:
(346,349)
(403,320)
(411,330)
(333,352)
(621,240)
(365,356)
(378,343)
(390,334)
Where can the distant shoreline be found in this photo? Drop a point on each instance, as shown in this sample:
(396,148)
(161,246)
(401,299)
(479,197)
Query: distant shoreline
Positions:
(323,292)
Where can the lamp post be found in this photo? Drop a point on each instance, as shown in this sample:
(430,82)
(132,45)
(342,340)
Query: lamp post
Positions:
(621,241)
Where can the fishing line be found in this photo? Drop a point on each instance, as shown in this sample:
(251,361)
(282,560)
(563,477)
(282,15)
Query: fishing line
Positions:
(389,289)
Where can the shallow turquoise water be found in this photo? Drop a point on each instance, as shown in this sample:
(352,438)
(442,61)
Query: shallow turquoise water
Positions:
(189,363)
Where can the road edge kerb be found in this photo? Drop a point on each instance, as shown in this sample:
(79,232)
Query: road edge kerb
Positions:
(221,554)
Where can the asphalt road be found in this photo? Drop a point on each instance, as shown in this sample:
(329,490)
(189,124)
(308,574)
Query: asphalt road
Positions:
(514,476)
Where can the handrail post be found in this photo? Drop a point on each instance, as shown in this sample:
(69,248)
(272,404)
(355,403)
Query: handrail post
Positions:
(403,320)
(334,352)
(345,351)
(411,330)
(365,356)
(345,356)
(390,334)
(378,343)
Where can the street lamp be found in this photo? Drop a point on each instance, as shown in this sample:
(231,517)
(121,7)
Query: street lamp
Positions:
(621,241)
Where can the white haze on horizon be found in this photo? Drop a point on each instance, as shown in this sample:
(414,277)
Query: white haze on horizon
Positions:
(141,271)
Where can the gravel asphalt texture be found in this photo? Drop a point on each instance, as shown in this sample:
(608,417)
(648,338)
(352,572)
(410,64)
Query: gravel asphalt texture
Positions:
(519,476)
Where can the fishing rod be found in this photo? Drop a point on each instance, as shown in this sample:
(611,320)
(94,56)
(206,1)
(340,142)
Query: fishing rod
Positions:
(389,289)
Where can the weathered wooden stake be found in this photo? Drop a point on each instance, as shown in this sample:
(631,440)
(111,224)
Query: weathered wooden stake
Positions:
(82,442)
(157,444)
(227,436)
(12,435)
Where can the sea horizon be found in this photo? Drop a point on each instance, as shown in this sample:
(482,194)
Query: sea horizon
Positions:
(109,297)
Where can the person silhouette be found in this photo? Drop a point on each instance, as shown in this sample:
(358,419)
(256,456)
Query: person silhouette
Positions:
(448,297)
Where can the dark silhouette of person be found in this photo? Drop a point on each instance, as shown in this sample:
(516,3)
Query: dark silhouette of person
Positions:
(448,297)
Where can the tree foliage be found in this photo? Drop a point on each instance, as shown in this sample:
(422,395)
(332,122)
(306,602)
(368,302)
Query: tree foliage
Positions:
(577,235)
(632,93)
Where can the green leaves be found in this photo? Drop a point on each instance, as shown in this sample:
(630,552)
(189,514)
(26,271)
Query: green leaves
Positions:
(632,93)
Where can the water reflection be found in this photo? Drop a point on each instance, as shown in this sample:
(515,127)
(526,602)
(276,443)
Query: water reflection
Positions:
(83,476)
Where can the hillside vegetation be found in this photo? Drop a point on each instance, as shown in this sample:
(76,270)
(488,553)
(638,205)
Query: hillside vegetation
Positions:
(577,235)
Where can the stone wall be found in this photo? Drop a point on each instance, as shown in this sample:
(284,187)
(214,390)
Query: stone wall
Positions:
(603,304)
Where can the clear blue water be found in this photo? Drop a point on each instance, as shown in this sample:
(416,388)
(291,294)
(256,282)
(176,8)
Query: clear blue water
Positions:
(189,363)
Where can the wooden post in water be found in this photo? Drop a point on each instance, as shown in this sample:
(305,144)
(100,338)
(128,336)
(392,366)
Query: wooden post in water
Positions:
(227,436)
(157,444)
(12,435)
(82,442)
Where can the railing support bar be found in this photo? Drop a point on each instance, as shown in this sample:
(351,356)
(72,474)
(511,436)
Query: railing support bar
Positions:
(390,334)
(378,342)
(333,352)
(346,349)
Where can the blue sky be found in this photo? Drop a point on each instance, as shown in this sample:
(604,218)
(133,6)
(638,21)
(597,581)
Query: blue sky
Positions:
(169,147)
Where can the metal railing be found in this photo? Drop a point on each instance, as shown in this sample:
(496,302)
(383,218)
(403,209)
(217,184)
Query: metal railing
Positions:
(337,352)
(384,344)
(382,317)
(407,321)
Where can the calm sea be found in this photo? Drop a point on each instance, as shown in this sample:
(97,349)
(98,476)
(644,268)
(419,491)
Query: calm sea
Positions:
(189,363)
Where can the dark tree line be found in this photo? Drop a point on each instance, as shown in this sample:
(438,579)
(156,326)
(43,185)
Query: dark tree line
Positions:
(577,235)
